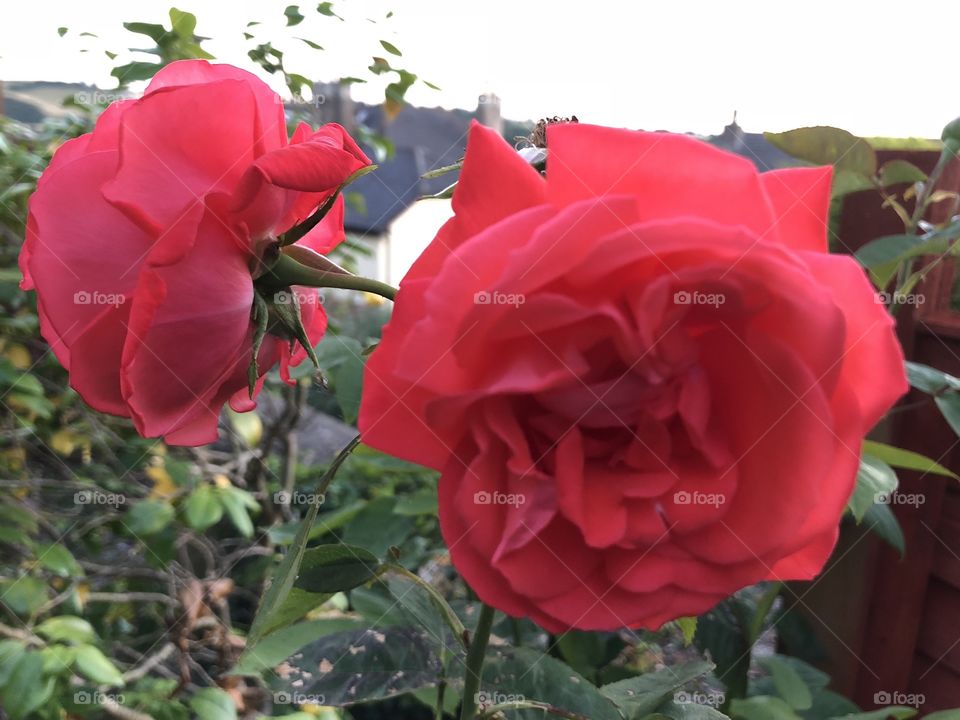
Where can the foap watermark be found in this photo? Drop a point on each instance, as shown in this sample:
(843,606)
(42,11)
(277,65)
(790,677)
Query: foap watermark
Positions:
(685,297)
(297,698)
(489,698)
(301,297)
(84,297)
(899,498)
(899,298)
(896,697)
(95,697)
(98,497)
(685,497)
(316,100)
(296,497)
(498,298)
(483,497)
(712,699)
(96,97)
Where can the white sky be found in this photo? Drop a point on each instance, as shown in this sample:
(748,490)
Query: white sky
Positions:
(875,67)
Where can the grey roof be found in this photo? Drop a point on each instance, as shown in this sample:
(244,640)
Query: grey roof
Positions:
(753,146)
(393,187)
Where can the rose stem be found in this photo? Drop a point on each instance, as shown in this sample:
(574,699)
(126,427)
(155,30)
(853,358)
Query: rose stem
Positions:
(475,656)
(287,271)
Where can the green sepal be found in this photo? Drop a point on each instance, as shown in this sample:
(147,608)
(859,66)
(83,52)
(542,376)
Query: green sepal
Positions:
(260,316)
(287,321)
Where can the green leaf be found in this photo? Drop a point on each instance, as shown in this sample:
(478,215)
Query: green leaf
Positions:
(688,711)
(311,43)
(390,48)
(58,560)
(341,358)
(332,568)
(377,527)
(421,502)
(93,664)
(930,380)
(846,182)
(213,704)
(359,666)
(183,23)
(876,481)
(149,517)
(238,504)
(67,628)
(896,172)
(421,601)
(790,686)
(11,653)
(641,695)
(827,146)
(511,672)
(27,689)
(202,507)
(589,652)
(278,646)
(294,607)
(152,30)
(881,520)
(61,31)
(900,458)
(293,14)
(282,583)
(23,595)
(326,8)
(949,405)
(688,626)
(953,714)
(898,712)
(757,620)
(762,707)
(894,248)
(725,632)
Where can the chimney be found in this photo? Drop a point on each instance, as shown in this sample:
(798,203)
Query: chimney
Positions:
(334,104)
(488,111)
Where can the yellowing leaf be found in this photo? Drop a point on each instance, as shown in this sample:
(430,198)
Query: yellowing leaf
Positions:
(64,442)
(82,591)
(18,356)
(13,459)
(247,425)
(164,487)
(221,480)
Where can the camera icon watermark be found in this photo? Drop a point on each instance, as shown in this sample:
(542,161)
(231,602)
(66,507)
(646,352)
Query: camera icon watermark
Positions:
(685,497)
(685,297)
(899,498)
(96,97)
(483,497)
(711,699)
(96,697)
(285,497)
(490,698)
(98,497)
(898,298)
(300,297)
(84,297)
(883,697)
(284,697)
(496,297)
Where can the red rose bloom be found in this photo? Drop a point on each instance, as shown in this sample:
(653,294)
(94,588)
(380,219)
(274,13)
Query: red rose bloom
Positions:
(644,380)
(142,235)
